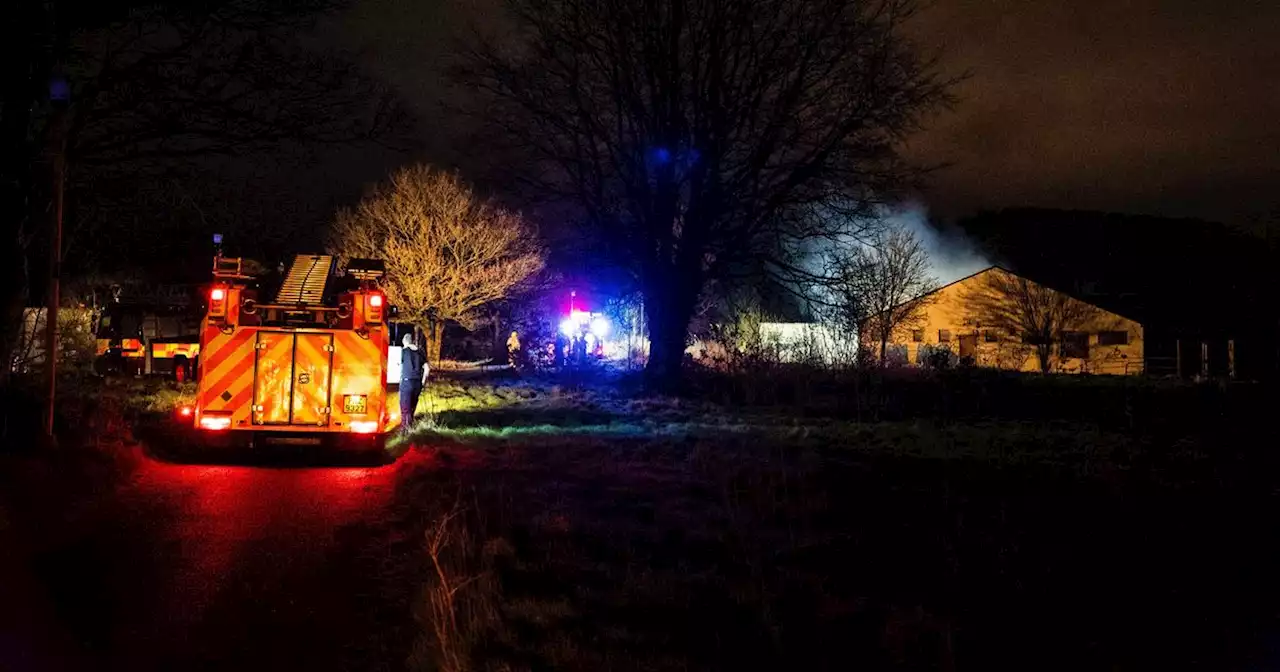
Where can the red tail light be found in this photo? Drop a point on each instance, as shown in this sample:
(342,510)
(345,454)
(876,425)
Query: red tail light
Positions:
(374,311)
(215,422)
(218,302)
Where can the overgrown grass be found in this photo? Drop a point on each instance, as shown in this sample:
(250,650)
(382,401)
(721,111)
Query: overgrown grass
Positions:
(153,395)
(786,549)
(674,534)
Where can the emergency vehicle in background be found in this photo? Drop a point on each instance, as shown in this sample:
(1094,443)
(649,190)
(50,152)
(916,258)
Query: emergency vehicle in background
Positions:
(582,335)
(305,366)
(149,329)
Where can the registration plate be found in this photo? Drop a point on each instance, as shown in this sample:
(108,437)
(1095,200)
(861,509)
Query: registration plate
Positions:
(355,404)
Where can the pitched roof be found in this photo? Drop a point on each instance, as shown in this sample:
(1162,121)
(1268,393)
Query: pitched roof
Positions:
(1019,275)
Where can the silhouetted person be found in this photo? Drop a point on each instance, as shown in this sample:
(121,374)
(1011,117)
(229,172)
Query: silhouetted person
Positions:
(513,349)
(413,378)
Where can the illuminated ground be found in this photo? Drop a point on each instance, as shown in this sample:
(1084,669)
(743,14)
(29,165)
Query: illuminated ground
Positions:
(220,567)
(606,533)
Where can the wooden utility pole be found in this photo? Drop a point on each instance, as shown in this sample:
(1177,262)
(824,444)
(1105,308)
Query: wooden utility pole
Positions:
(59,96)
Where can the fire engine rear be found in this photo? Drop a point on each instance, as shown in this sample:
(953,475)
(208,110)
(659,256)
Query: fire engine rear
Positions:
(307,367)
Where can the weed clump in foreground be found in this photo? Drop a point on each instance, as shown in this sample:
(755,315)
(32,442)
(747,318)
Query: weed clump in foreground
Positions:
(459,607)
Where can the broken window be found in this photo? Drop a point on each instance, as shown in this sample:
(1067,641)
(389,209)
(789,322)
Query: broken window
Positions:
(917,335)
(944,335)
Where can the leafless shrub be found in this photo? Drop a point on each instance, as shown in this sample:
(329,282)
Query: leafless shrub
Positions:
(883,288)
(460,602)
(448,252)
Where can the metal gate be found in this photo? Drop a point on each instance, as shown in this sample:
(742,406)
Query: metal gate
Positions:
(292,376)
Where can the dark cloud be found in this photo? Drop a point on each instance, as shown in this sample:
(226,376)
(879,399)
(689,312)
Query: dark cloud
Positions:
(1151,106)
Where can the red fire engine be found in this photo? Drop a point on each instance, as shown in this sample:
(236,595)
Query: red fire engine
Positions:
(309,366)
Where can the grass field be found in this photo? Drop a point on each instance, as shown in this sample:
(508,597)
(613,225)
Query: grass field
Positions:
(961,522)
(586,530)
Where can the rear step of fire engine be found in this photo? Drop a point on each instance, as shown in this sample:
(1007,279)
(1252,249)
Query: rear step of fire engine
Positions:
(306,280)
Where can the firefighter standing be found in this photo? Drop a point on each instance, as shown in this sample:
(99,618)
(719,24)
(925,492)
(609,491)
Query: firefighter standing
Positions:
(513,349)
(413,378)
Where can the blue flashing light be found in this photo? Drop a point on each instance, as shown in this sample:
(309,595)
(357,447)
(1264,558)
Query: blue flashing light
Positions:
(59,89)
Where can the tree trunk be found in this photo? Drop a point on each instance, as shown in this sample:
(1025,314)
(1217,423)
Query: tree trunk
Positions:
(435,339)
(497,346)
(1044,352)
(668,308)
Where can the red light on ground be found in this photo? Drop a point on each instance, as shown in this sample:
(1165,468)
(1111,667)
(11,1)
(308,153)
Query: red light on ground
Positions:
(218,294)
(185,411)
(215,422)
(375,300)
(364,426)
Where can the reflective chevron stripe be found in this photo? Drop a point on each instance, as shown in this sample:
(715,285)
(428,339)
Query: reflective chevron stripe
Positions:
(226,372)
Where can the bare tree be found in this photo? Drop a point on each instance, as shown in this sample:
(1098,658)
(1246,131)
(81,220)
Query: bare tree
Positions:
(702,137)
(153,87)
(448,252)
(884,287)
(1020,308)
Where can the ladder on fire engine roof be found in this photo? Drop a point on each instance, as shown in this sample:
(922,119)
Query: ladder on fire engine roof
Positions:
(306,280)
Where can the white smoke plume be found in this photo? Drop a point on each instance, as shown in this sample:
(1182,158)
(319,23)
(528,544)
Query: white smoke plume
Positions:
(951,253)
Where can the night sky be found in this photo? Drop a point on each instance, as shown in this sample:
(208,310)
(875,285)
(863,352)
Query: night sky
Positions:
(1167,107)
